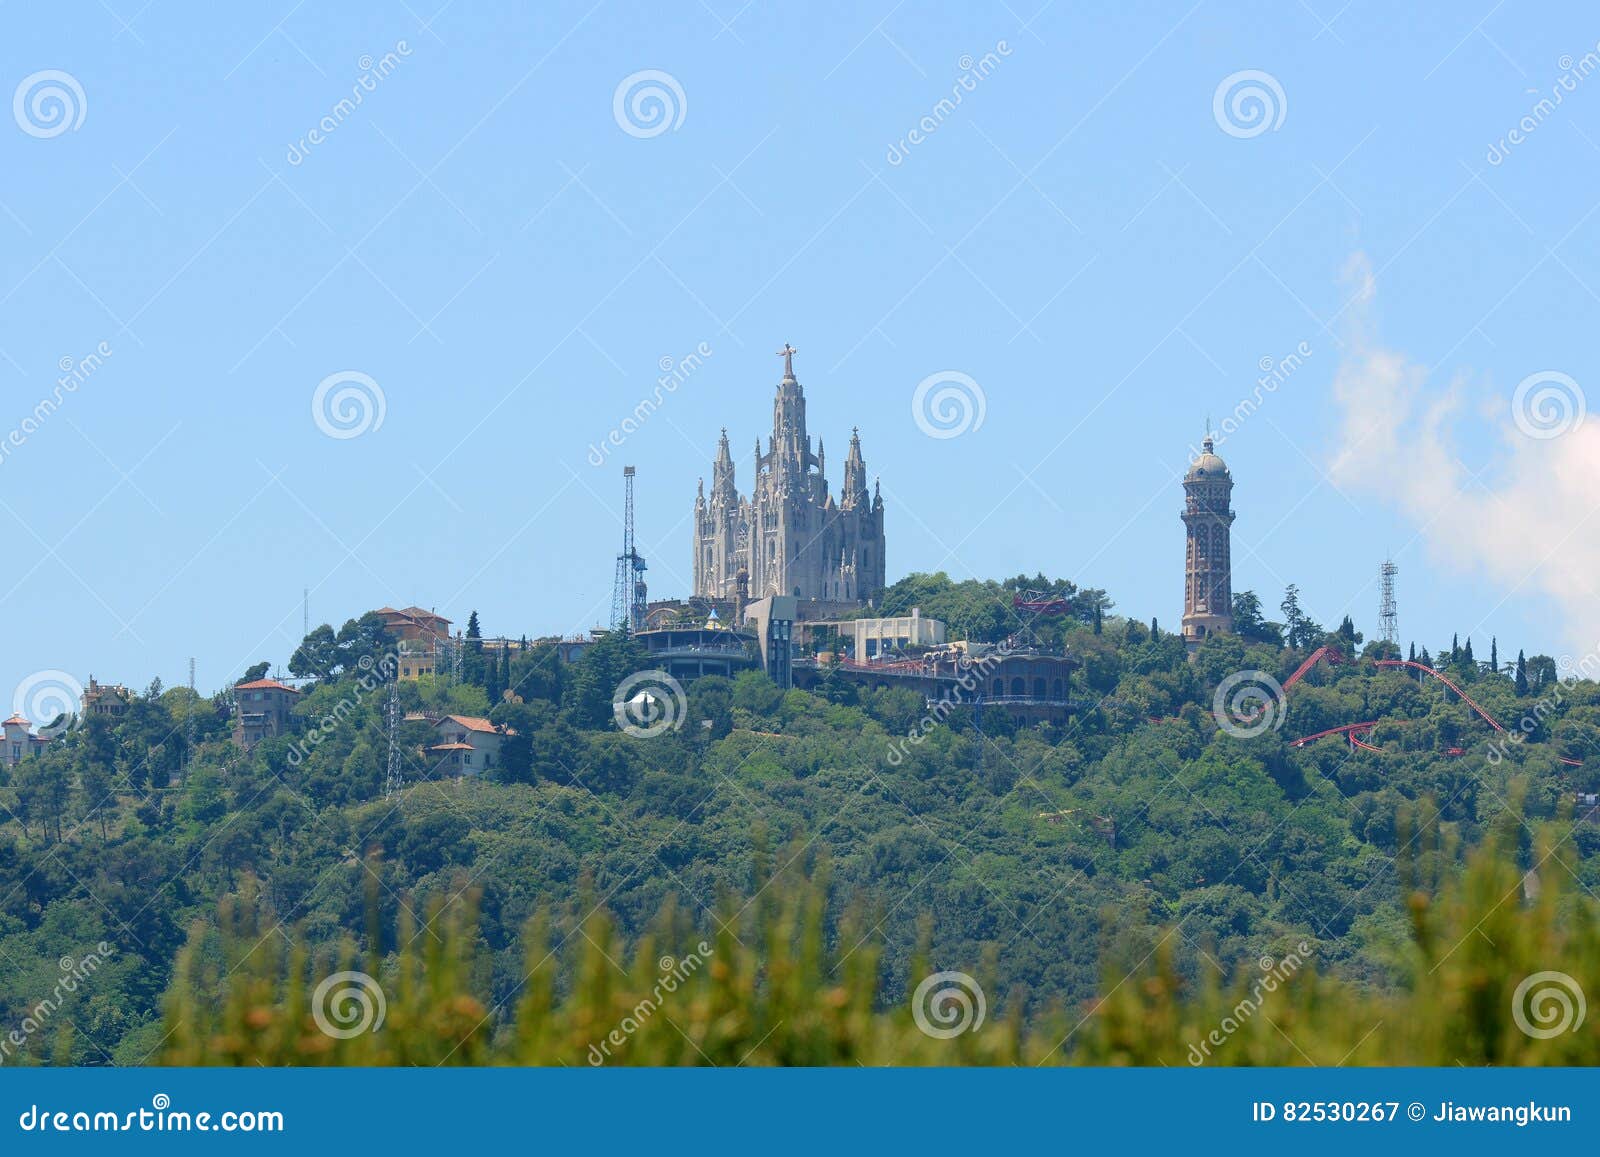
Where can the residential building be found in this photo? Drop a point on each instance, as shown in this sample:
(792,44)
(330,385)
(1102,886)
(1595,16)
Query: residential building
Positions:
(19,741)
(108,699)
(263,709)
(466,745)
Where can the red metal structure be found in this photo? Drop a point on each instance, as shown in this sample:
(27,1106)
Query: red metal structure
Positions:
(1040,603)
(1355,732)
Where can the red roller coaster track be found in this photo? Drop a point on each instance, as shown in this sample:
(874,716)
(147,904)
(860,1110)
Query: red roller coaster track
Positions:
(1356,731)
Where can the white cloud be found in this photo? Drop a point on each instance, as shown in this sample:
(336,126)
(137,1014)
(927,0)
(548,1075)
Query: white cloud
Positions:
(1530,521)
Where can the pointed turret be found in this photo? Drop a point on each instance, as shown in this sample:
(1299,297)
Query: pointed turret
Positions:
(723,490)
(853,491)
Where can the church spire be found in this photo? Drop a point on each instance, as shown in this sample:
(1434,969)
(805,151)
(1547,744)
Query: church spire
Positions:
(853,491)
(722,483)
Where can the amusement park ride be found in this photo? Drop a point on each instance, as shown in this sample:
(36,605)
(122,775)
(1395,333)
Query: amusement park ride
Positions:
(1359,733)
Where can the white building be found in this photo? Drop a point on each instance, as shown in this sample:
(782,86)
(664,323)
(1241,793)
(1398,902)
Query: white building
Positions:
(20,742)
(466,745)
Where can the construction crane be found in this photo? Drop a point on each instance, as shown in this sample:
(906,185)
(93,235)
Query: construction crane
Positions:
(628,589)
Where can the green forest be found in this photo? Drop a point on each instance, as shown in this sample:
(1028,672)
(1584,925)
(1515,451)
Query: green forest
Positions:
(1111,882)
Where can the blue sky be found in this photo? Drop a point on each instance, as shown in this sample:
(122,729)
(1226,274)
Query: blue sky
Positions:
(1080,236)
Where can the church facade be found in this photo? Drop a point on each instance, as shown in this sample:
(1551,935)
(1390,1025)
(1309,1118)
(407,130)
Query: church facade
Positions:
(790,536)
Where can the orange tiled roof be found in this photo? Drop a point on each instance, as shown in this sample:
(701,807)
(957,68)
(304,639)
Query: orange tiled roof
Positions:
(470,722)
(16,719)
(265,685)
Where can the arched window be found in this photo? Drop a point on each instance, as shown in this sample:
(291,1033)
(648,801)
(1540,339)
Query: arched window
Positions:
(999,687)
(1017,687)
(1038,688)
(1055,690)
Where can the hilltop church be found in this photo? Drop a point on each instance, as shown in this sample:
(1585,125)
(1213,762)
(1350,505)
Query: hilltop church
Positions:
(790,537)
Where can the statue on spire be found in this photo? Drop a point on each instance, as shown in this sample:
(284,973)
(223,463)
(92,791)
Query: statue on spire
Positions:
(787,354)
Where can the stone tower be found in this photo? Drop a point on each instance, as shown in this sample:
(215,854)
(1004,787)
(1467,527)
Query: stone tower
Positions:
(1208,562)
(790,536)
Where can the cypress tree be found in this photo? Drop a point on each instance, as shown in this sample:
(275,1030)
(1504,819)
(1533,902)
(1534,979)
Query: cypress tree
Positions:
(1522,674)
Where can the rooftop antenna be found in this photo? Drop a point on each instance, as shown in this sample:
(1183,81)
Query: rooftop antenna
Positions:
(1388,612)
(628,588)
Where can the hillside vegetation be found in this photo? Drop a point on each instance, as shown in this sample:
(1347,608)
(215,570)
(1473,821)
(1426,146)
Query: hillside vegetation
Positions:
(512,918)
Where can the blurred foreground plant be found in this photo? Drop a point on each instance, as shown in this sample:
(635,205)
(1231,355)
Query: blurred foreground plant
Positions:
(1494,973)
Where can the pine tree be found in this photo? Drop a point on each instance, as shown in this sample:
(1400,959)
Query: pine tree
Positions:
(1494,654)
(1413,652)
(1521,678)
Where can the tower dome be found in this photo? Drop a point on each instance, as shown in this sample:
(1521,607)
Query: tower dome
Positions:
(1208,464)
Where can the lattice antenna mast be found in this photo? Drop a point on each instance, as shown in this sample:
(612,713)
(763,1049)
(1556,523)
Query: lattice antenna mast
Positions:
(1388,612)
(628,588)
(188,722)
(394,778)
